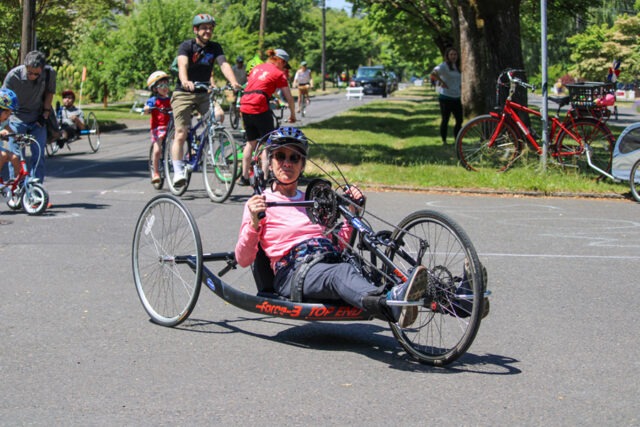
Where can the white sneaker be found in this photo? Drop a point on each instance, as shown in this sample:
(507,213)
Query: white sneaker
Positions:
(179,179)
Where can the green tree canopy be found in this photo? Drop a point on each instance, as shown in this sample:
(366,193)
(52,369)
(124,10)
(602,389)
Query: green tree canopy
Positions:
(595,49)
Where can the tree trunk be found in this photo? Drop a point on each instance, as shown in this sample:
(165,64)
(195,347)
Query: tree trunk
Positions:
(489,43)
(28,28)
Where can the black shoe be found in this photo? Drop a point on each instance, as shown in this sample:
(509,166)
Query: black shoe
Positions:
(244,182)
(461,307)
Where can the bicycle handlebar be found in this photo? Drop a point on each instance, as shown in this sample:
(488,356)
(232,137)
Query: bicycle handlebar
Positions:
(515,80)
(206,86)
(162,110)
(19,138)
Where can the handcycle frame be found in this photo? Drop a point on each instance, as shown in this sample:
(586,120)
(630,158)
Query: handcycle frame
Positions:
(27,193)
(168,269)
(201,151)
(508,121)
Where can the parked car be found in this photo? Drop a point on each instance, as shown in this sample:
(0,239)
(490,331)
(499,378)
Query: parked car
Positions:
(372,79)
(392,81)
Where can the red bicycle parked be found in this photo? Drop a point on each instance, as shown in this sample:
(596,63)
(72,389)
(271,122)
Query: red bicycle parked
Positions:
(496,140)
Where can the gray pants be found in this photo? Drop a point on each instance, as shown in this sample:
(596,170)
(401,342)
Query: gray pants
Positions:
(329,281)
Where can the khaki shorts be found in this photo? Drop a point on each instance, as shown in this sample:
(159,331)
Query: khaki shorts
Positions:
(184,104)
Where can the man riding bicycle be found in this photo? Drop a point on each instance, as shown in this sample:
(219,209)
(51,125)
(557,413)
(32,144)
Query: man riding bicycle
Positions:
(195,64)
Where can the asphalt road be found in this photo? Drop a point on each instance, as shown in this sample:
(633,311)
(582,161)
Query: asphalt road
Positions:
(559,347)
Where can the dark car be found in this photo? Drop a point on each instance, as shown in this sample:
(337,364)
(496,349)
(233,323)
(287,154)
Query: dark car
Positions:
(392,81)
(372,79)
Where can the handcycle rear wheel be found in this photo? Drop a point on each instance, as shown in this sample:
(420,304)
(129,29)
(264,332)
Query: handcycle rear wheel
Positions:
(167,260)
(447,325)
(597,138)
(634,180)
(156,185)
(168,166)
(220,165)
(94,132)
(51,148)
(472,144)
(35,199)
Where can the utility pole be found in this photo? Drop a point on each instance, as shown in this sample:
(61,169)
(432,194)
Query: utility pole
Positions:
(323,66)
(263,26)
(27,43)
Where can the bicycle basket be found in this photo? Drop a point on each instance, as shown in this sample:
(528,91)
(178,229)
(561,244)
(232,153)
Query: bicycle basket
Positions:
(584,95)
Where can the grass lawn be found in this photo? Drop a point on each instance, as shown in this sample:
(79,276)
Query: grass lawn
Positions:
(395,142)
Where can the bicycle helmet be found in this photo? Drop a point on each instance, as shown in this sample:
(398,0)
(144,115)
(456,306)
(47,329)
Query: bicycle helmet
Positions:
(290,137)
(155,77)
(203,18)
(8,100)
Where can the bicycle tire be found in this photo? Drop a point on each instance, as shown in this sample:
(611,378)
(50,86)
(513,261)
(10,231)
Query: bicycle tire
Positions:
(94,132)
(596,136)
(167,260)
(34,199)
(475,153)
(234,115)
(447,325)
(634,180)
(156,185)
(168,166)
(220,165)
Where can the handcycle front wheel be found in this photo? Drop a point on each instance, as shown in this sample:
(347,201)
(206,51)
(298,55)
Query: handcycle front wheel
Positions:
(220,165)
(168,166)
(446,325)
(634,180)
(94,132)
(477,148)
(167,260)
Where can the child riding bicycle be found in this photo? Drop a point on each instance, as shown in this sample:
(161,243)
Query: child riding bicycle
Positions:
(8,104)
(158,105)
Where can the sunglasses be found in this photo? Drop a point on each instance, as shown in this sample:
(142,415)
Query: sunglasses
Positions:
(162,85)
(281,157)
(31,73)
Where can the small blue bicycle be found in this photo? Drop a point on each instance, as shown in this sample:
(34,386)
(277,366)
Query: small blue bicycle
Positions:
(209,146)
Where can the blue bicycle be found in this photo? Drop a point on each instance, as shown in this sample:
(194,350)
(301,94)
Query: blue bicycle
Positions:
(208,146)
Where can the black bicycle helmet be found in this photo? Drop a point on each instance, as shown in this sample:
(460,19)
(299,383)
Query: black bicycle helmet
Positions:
(203,18)
(290,137)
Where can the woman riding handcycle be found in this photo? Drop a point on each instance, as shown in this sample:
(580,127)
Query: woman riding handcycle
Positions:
(423,276)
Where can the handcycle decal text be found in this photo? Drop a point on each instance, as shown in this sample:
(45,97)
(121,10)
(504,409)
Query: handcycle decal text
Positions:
(279,310)
(314,312)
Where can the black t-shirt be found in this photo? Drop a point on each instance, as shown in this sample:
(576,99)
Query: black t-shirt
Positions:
(201,60)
